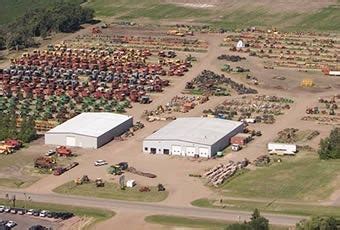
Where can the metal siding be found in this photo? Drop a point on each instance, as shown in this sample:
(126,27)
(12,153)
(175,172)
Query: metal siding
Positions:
(168,145)
(225,141)
(115,132)
(60,139)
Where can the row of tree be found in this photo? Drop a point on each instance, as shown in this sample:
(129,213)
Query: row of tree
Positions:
(60,16)
(330,146)
(258,222)
(8,124)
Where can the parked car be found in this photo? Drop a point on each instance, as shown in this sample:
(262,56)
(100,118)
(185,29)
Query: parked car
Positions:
(123,165)
(21,211)
(2,208)
(30,212)
(236,147)
(7,209)
(100,163)
(13,211)
(11,224)
(50,152)
(36,213)
(43,213)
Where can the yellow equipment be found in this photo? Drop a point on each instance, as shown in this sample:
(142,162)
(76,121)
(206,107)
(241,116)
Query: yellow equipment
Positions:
(307,83)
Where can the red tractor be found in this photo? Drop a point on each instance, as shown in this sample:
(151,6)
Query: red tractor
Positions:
(62,151)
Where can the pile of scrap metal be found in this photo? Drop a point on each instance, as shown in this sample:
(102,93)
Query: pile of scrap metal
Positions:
(222,172)
(140,173)
(262,160)
(208,83)
(232,58)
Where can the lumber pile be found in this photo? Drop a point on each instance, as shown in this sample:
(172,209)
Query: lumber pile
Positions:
(222,172)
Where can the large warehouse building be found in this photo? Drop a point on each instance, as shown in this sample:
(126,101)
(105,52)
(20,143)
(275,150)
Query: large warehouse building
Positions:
(89,130)
(193,136)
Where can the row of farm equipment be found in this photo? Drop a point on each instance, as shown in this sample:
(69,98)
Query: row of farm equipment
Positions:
(182,104)
(288,49)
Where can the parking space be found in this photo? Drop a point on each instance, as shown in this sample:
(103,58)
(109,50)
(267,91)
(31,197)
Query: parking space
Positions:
(26,221)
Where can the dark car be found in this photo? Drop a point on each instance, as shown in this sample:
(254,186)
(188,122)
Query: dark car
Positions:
(123,165)
(36,212)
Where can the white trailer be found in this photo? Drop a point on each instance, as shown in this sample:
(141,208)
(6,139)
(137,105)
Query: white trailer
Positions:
(281,149)
(334,73)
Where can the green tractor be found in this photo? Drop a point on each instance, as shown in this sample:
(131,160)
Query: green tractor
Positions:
(114,170)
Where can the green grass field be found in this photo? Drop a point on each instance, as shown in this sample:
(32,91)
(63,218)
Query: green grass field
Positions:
(111,191)
(176,221)
(302,178)
(325,19)
(273,207)
(95,213)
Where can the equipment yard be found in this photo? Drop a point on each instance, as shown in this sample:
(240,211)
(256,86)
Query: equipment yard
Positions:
(173,92)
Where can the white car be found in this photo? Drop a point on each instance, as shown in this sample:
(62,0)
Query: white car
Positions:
(50,152)
(43,213)
(30,212)
(11,224)
(7,209)
(2,208)
(100,163)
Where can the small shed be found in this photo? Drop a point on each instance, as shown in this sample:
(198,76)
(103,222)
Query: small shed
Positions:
(130,183)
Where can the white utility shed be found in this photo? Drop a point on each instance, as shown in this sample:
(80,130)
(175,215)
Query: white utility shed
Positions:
(89,130)
(192,136)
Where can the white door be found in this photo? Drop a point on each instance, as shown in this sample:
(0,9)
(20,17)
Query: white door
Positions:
(176,150)
(190,151)
(70,141)
(203,152)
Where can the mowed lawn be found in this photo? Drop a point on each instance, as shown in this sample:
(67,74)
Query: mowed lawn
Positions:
(190,222)
(112,191)
(302,178)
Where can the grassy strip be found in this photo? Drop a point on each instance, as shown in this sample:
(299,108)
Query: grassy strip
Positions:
(177,221)
(96,213)
(111,191)
(303,177)
(273,207)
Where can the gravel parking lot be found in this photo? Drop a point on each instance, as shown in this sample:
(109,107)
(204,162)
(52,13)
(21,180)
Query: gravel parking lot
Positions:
(25,221)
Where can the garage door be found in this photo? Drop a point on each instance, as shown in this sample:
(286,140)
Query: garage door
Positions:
(176,150)
(70,141)
(203,152)
(190,151)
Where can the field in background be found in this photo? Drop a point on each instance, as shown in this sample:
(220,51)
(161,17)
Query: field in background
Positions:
(320,16)
(304,177)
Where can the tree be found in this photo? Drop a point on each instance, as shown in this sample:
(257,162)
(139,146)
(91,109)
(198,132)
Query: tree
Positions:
(330,146)
(318,223)
(257,222)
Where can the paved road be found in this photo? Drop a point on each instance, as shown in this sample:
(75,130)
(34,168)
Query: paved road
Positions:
(116,205)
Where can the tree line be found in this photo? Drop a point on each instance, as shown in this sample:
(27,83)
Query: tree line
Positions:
(330,146)
(60,16)
(8,124)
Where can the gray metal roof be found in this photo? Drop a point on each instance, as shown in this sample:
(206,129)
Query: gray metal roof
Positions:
(201,130)
(91,124)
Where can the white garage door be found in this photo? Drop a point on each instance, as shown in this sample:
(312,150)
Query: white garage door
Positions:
(70,141)
(176,150)
(203,152)
(190,151)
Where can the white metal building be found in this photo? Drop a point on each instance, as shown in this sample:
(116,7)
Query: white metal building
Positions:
(192,136)
(89,130)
